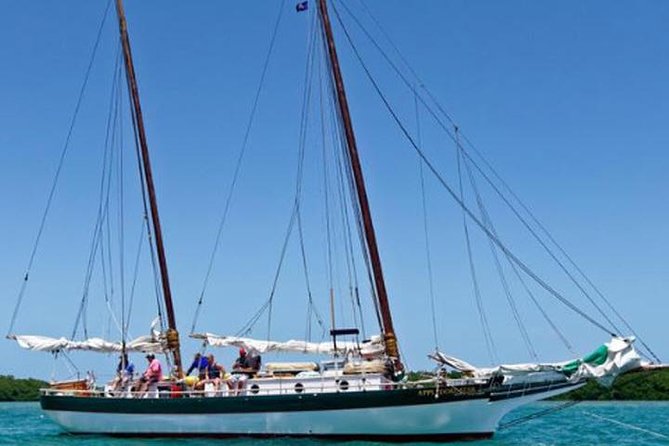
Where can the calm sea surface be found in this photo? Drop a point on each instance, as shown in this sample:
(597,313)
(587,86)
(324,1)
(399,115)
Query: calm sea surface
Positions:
(583,424)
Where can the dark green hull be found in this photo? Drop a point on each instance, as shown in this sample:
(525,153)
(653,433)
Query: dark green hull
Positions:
(250,404)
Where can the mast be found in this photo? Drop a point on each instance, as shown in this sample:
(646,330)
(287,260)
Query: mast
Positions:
(172,333)
(388,331)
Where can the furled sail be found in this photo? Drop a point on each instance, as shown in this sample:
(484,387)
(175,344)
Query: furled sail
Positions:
(153,343)
(604,364)
(46,344)
(373,348)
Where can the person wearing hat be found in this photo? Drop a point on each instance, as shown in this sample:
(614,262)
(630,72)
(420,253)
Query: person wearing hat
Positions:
(244,367)
(153,374)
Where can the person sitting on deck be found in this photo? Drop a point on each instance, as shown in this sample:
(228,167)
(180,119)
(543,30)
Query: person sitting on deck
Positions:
(201,364)
(244,367)
(124,374)
(153,374)
(215,373)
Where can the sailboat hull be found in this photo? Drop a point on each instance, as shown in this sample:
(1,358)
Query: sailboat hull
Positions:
(394,415)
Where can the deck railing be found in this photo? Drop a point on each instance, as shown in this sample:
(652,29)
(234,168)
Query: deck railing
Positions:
(252,388)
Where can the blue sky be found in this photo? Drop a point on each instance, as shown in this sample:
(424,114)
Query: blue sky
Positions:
(569,102)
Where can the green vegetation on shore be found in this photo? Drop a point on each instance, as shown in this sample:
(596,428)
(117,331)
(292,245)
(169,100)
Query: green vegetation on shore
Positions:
(649,386)
(15,389)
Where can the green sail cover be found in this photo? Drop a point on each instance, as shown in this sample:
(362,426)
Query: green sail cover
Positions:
(597,357)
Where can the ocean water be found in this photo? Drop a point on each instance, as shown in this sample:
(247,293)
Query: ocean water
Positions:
(605,423)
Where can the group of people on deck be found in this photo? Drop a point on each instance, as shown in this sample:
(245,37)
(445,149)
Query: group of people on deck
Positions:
(209,372)
(125,372)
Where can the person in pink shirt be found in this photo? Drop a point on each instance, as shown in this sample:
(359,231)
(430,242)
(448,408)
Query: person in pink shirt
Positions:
(153,374)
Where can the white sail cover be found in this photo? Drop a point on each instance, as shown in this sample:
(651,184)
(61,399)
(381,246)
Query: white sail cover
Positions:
(454,363)
(46,344)
(621,357)
(607,362)
(372,348)
(153,343)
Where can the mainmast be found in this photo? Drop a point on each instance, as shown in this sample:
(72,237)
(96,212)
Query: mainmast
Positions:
(172,333)
(370,237)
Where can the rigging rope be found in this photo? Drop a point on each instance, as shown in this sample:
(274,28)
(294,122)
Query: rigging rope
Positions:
(336,113)
(311,307)
(348,245)
(485,217)
(134,279)
(550,237)
(108,235)
(326,196)
(296,212)
(455,197)
(331,195)
(489,342)
(147,222)
(494,172)
(59,168)
(104,197)
(282,257)
(74,370)
(103,207)
(246,328)
(341,204)
(615,329)
(488,221)
(342,184)
(120,214)
(306,99)
(426,232)
(238,165)
(345,183)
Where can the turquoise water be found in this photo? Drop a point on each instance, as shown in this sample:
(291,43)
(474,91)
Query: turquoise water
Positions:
(583,424)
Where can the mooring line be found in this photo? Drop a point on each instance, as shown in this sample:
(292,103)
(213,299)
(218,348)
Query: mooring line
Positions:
(537,414)
(630,426)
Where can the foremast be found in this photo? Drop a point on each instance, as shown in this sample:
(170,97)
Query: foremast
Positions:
(370,237)
(172,333)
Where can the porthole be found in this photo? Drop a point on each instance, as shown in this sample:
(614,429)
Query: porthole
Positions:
(299,388)
(343,385)
(254,389)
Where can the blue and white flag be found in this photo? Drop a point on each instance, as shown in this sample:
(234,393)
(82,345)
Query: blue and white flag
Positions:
(302,6)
